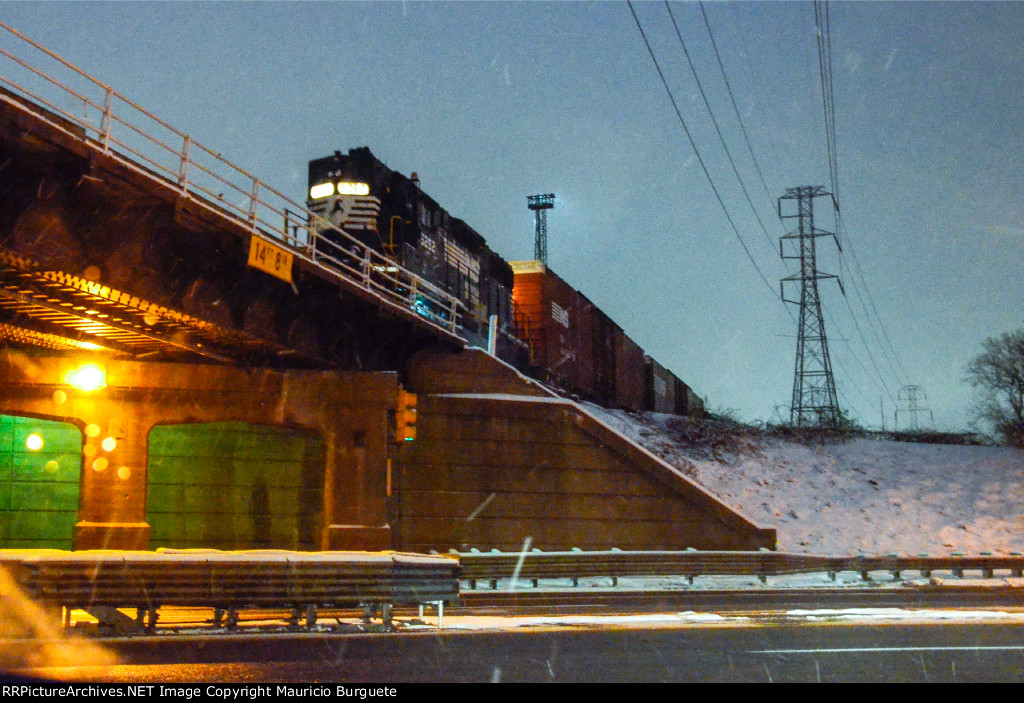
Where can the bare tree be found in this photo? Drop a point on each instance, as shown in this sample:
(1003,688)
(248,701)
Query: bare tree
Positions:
(999,373)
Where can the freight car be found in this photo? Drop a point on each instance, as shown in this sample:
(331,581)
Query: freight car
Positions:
(545,326)
(576,346)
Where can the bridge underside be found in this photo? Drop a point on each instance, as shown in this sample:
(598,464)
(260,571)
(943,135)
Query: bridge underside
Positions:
(96,256)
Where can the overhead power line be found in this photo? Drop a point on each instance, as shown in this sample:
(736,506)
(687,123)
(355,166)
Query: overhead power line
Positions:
(823,36)
(878,382)
(696,152)
(824,40)
(743,128)
(718,130)
(887,355)
(867,347)
(887,346)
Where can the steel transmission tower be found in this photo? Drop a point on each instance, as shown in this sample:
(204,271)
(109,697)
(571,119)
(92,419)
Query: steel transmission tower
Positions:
(540,204)
(814,403)
(915,399)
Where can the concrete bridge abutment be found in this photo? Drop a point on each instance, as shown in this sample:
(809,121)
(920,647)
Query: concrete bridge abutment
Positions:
(348,410)
(501,462)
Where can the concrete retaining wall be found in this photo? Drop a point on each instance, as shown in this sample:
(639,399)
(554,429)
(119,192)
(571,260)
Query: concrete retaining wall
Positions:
(492,469)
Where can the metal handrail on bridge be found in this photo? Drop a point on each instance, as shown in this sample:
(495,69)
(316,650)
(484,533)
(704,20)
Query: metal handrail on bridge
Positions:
(531,566)
(206,179)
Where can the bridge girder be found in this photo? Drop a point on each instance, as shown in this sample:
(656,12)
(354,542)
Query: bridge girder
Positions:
(82,236)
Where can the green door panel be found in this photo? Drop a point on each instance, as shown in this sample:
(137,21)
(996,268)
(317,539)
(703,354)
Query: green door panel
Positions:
(230,485)
(39,488)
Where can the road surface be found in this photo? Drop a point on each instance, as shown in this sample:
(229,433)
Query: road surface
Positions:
(745,651)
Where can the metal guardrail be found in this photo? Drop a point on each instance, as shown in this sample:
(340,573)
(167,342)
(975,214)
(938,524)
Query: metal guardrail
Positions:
(111,124)
(104,583)
(101,582)
(497,566)
(760,601)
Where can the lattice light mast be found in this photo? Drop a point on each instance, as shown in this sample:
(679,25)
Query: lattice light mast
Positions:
(540,204)
(814,403)
(915,402)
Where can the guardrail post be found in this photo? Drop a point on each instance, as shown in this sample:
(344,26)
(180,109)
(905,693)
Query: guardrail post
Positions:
(366,267)
(111,620)
(105,123)
(896,571)
(958,572)
(313,236)
(453,320)
(252,203)
(151,617)
(865,574)
(1017,573)
(927,573)
(183,167)
(987,571)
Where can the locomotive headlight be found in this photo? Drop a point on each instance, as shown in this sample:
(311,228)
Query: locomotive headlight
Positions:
(350,188)
(321,190)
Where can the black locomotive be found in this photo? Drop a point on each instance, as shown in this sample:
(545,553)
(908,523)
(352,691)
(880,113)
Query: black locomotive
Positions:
(589,355)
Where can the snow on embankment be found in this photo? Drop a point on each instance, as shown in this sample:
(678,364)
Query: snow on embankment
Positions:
(870,496)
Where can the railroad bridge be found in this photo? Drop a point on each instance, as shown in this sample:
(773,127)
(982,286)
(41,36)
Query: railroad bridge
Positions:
(189,362)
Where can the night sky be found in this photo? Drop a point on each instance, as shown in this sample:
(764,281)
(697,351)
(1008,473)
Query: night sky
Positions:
(491,102)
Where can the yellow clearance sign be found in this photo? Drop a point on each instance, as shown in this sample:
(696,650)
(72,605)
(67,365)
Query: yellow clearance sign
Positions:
(270,258)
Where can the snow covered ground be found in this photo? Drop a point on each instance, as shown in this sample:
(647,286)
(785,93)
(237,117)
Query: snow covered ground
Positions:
(870,496)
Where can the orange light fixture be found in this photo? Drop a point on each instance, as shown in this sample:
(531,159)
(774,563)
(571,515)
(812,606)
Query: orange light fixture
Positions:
(88,377)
